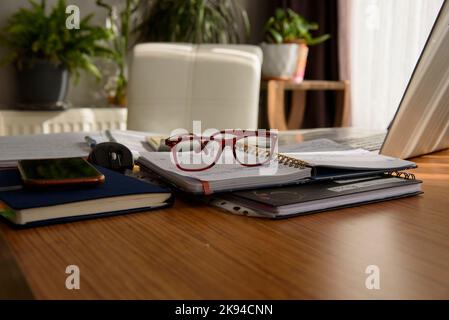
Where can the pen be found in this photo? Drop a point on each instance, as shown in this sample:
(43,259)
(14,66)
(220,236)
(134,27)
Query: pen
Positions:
(90,141)
(109,135)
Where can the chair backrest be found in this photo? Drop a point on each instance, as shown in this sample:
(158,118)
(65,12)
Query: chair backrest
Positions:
(171,85)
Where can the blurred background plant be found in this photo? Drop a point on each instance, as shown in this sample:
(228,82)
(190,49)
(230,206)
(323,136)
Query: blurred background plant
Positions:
(31,36)
(194,21)
(288,26)
(119,22)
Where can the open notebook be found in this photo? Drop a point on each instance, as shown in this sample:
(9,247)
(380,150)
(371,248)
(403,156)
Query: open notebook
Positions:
(291,168)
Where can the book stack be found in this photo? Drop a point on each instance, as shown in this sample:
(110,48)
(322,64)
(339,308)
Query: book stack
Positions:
(310,177)
(119,194)
(306,181)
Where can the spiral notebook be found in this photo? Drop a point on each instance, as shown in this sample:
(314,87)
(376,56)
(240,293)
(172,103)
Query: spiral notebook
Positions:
(316,197)
(290,168)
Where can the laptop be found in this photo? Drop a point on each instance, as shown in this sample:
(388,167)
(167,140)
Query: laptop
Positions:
(421,122)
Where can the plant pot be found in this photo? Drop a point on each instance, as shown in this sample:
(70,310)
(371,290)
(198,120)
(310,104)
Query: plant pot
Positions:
(301,63)
(279,60)
(42,86)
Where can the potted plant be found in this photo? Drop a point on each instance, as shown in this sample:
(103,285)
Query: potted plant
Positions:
(45,53)
(288,36)
(194,21)
(119,23)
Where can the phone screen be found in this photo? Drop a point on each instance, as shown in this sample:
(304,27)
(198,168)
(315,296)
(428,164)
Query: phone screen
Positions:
(59,170)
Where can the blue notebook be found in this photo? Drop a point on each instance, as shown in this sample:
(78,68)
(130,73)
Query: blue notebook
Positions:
(119,194)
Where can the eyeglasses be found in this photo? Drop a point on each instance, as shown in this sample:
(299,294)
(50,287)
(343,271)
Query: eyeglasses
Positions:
(191,152)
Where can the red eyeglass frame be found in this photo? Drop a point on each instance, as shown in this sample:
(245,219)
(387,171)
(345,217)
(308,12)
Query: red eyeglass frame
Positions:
(171,142)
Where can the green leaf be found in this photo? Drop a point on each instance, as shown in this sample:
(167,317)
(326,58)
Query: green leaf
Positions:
(318,40)
(276,36)
(286,25)
(199,21)
(279,14)
(31,34)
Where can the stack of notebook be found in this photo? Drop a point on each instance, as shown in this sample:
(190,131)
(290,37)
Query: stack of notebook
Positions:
(319,180)
(315,197)
(119,194)
(309,177)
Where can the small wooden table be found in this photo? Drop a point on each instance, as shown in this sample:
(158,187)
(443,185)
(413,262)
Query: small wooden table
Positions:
(276,108)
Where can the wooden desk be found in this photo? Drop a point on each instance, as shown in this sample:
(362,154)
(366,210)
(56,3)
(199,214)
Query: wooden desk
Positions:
(197,252)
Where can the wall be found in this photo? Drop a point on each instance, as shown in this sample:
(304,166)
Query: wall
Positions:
(89,92)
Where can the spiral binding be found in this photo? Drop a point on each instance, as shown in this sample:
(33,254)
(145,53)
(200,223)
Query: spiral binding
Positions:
(300,164)
(281,158)
(401,174)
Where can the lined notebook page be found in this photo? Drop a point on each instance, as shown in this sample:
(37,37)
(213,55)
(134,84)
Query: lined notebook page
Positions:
(219,171)
(352,159)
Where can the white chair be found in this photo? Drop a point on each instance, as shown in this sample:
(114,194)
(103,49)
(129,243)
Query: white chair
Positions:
(172,85)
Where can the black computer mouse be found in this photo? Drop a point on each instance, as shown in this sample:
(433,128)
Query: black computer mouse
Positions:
(112,155)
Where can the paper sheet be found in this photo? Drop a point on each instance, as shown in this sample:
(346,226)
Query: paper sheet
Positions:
(42,146)
(317,145)
(63,145)
(352,159)
(134,140)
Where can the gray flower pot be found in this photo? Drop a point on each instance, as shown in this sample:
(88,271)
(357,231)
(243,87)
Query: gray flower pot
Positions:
(43,86)
(279,60)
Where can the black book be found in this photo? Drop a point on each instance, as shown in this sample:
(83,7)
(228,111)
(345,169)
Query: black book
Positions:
(319,196)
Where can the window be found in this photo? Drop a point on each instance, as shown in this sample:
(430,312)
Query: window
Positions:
(387,38)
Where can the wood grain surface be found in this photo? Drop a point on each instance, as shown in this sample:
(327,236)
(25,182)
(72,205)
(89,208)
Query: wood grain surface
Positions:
(192,251)
(13,284)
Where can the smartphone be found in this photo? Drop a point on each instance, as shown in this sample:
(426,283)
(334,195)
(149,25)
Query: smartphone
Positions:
(58,172)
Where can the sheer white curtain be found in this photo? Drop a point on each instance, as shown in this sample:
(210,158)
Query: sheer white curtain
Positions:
(387,37)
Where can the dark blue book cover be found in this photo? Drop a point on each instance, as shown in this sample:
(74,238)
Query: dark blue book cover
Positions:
(115,185)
